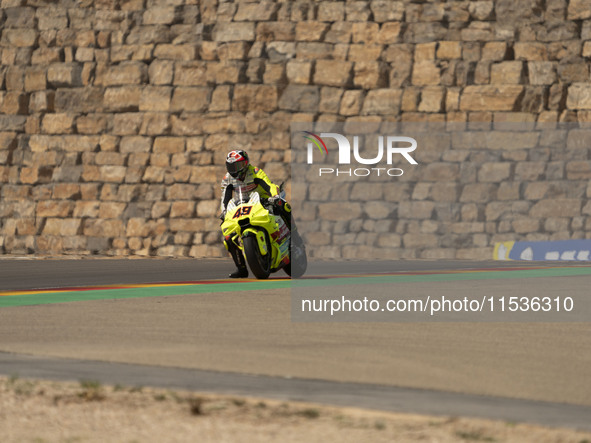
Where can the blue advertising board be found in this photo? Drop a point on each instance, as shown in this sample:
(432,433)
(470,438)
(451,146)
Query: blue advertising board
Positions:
(579,250)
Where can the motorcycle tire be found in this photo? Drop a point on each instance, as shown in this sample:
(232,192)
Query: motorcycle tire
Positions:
(260,265)
(297,267)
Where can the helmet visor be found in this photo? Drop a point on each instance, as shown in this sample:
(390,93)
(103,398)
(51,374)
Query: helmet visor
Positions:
(237,167)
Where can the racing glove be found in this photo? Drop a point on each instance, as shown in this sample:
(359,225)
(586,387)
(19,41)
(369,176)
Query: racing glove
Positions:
(274,199)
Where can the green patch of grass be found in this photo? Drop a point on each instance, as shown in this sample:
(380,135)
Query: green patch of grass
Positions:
(239,402)
(13,379)
(91,390)
(136,389)
(90,384)
(474,436)
(221,405)
(160,397)
(309,413)
(261,405)
(379,425)
(344,421)
(176,397)
(23,388)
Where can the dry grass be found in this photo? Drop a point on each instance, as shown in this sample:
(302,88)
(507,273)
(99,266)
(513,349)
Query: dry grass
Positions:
(44,411)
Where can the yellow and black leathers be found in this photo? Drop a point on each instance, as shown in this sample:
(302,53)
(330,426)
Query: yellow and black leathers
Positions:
(254,179)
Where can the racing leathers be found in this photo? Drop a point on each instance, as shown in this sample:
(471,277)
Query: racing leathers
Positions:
(255,179)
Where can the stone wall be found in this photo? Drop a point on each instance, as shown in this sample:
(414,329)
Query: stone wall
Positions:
(474,185)
(115,115)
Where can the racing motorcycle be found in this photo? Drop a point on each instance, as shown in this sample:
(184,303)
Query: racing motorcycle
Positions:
(263,237)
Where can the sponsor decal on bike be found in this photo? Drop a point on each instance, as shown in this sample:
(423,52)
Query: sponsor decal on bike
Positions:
(279,235)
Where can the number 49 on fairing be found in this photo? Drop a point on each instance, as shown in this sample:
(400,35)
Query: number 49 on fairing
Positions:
(245,210)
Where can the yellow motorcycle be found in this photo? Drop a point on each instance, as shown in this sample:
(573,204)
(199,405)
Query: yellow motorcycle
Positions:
(263,237)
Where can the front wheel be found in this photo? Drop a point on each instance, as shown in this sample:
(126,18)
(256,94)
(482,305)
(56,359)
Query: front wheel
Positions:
(260,265)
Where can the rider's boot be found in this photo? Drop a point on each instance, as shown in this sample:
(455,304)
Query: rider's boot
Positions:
(239,273)
(241,270)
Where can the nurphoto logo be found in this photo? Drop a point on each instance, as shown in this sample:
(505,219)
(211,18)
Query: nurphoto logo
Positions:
(387,146)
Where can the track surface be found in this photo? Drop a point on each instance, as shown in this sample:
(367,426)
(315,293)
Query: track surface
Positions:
(32,274)
(200,341)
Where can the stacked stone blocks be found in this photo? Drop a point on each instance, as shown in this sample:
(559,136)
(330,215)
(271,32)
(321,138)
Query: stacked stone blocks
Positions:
(115,116)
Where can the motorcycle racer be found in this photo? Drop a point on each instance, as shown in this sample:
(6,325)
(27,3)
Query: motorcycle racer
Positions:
(244,178)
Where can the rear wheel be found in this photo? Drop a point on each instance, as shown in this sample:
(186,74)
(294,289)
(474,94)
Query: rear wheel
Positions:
(259,264)
(298,258)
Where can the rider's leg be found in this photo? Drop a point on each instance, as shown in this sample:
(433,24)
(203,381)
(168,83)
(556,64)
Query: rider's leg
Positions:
(284,209)
(238,257)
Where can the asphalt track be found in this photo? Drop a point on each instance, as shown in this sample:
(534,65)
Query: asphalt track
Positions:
(243,341)
(27,273)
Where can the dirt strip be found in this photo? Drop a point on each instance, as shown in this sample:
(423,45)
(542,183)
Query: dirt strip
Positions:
(44,411)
